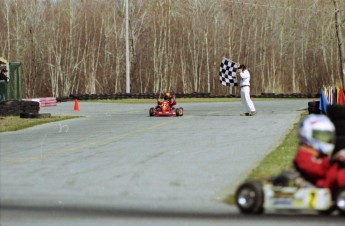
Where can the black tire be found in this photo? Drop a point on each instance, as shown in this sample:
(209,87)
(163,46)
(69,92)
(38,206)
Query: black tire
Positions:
(250,198)
(25,115)
(340,201)
(34,115)
(40,115)
(314,110)
(151,112)
(336,111)
(179,111)
(339,127)
(314,104)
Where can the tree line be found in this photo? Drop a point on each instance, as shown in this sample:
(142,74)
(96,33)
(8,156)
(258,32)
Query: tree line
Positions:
(78,46)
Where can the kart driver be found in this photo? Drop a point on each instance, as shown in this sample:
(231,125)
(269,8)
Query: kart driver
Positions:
(167,97)
(316,143)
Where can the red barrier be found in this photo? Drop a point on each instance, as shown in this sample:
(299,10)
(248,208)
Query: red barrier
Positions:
(45,101)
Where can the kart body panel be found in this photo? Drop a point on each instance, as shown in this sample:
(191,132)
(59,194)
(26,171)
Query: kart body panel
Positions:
(296,198)
(164,113)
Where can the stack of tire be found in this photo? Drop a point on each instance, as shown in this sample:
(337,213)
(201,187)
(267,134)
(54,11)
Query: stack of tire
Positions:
(313,107)
(24,109)
(336,113)
(15,107)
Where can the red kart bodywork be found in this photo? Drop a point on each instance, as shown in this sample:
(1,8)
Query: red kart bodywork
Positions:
(164,109)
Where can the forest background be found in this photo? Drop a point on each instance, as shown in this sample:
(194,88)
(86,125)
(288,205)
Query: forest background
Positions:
(78,46)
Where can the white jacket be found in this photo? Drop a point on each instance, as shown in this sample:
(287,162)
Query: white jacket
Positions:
(245,78)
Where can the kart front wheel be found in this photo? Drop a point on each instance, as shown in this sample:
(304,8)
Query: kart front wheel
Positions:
(340,201)
(250,198)
(152,111)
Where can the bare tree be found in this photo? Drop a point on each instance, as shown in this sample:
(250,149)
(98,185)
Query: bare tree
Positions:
(341,45)
(289,46)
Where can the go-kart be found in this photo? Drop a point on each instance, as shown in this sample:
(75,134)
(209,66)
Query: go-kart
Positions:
(164,109)
(287,191)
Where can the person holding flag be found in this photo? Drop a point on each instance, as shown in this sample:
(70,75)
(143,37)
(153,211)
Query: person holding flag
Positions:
(247,103)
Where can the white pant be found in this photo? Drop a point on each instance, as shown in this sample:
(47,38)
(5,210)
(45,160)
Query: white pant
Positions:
(247,103)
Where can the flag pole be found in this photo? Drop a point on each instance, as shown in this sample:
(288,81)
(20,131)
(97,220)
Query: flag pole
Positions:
(128,90)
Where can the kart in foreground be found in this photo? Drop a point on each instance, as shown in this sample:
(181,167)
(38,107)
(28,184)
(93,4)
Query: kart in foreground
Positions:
(165,110)
(288,191)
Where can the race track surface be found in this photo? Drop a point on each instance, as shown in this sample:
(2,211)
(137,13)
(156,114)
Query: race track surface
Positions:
(118,160)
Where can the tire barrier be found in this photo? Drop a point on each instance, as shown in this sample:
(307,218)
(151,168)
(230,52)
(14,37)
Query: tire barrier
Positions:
(291,95)
(34,115)
(336,113)
(313,107)
(15,107)
(119,96)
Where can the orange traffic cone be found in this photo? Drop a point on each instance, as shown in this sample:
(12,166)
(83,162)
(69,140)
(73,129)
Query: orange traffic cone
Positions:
(76,106)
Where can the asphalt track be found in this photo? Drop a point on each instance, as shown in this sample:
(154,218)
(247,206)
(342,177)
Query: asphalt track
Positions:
(118,166)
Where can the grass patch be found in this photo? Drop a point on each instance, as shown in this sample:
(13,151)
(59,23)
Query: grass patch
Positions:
(14,123)
(276,161)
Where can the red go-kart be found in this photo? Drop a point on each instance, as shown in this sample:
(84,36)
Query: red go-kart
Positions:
(164,109)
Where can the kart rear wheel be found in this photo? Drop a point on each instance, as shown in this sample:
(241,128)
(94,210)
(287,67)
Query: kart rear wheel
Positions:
(250,198)
(152,111)
(340,201)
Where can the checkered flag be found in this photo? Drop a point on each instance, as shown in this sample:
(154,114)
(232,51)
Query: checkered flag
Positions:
(227,72)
